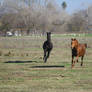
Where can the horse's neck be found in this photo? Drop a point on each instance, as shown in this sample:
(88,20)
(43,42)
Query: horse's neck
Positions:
(78,46)
(48,38)
(49,41)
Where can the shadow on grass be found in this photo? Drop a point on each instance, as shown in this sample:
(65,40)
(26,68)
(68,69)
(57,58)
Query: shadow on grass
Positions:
(20,61)
(48,66)
(45,66)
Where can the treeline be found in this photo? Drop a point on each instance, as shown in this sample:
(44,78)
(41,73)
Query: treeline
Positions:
(39,16)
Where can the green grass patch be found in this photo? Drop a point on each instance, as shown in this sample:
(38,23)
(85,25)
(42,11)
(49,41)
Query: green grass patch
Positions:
(23,69)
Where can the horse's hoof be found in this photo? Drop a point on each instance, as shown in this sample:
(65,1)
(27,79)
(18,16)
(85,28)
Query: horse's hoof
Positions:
(72,66)
(81,64)
(44,61)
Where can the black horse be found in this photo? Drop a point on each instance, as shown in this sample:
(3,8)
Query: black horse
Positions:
(47,47)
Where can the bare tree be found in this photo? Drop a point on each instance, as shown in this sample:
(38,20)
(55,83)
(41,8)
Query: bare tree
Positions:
(33,15)
(77,23)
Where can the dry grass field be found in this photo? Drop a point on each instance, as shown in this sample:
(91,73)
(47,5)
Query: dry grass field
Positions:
(23,70)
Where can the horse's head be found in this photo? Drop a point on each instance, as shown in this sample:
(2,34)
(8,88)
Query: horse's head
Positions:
(74,43)
(48,36)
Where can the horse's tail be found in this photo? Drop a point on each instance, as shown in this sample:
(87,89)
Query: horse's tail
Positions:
(85,45)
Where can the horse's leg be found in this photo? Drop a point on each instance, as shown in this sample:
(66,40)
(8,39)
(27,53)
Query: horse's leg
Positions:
(47,56)
(77,61)
(72,62)
(82,60)
(44,55)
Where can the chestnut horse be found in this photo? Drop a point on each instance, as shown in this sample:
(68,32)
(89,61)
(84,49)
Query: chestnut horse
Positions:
(78,50)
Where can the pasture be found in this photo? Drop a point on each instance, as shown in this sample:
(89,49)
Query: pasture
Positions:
(22,68)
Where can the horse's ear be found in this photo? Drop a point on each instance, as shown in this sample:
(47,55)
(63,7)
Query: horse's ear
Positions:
(47,33)
(71,39)
(74,39)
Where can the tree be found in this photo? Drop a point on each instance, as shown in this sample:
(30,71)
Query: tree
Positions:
(77,23)
(43,15)
(64,5)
